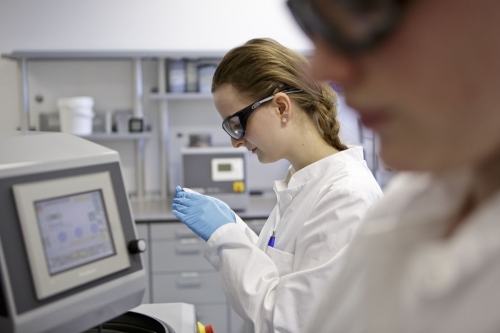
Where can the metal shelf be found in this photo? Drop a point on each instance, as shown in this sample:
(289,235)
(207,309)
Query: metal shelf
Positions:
(136,57)
(117,136)
(180,96)
(112,54)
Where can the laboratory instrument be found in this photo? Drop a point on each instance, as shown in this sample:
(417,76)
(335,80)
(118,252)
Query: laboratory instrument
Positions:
(69,255)
(219,172)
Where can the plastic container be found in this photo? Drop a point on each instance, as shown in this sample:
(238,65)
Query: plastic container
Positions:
(205,76)
(76,115)
(191,75)
(177,76)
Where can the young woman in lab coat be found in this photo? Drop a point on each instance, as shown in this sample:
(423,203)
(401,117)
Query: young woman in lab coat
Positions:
(424,75)
(270,106)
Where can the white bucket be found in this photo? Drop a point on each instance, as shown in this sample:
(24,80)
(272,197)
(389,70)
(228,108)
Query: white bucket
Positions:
(76,115)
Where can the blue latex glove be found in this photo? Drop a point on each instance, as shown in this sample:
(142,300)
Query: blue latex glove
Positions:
(201,213)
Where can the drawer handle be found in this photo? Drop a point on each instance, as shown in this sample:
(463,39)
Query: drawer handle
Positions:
(188,248)
(189,280)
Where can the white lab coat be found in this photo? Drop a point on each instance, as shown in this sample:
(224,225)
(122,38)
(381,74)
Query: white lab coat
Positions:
(318,209)
(402,276)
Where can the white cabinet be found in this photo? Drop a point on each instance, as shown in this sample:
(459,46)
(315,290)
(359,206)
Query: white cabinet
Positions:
(187,286)
(179,273)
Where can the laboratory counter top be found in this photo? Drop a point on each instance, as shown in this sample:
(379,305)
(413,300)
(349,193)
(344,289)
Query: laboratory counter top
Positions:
(160,210)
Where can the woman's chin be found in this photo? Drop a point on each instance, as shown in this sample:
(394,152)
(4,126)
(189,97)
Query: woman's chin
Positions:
(266,160)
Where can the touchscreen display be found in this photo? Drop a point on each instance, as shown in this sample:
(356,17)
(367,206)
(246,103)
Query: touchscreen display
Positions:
(74,230)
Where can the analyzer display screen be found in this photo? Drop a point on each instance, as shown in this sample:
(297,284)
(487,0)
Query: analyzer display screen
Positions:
(74,229)
(224,167)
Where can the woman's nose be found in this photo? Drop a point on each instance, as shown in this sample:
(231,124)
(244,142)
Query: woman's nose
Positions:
(237,143)
(328,64)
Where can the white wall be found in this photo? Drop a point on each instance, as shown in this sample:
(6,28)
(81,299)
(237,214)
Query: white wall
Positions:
(145,24)
(216,25)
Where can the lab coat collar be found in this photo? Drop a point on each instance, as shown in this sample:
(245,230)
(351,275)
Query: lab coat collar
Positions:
(286,190)
(318,168)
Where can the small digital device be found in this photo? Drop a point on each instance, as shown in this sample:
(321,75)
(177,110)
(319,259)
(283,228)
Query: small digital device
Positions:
(136,125)
(224,167)
(72,231)
(227,169)
(218,172)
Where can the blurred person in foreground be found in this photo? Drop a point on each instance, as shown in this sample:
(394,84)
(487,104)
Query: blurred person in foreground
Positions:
(424,75)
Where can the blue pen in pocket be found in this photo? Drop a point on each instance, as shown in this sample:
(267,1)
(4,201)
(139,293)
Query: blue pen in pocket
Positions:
(271,240)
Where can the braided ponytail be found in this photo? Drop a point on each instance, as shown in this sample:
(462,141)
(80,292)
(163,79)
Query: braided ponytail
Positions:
(326,115)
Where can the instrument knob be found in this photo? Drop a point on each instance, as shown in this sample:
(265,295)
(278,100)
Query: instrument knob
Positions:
(137,246)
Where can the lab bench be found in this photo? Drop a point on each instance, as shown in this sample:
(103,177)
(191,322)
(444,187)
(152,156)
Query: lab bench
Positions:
(176,268)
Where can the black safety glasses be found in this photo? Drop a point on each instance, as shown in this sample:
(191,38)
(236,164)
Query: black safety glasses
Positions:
(235,125)
(351,26)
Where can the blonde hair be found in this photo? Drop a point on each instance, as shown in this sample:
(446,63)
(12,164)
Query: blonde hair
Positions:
(262,67)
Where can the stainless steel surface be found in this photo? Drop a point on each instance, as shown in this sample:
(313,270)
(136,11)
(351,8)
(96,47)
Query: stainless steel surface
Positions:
(161,209)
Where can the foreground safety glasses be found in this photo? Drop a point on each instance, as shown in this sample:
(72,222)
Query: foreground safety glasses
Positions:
(235,125)
(352,26)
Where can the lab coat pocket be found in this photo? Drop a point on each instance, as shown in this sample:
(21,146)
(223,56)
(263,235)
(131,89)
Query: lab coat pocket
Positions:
(282,260)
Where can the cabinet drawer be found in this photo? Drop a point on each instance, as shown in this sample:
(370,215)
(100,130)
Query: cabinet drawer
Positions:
(215,315)
(171,231)
(187,287)
(178,255)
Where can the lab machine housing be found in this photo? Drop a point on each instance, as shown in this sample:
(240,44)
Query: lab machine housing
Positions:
(39,168)
(219,172)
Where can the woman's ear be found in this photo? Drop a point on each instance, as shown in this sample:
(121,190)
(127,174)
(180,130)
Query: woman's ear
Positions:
(284,107)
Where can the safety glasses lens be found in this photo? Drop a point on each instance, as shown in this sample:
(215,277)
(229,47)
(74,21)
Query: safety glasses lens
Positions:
(350,25)
(233,127)
(357,21)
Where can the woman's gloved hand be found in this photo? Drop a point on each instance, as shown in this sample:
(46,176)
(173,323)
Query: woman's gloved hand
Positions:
(201,213)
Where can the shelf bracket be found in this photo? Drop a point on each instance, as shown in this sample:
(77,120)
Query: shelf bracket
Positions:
(24,116)
(163,128)
(139,113)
